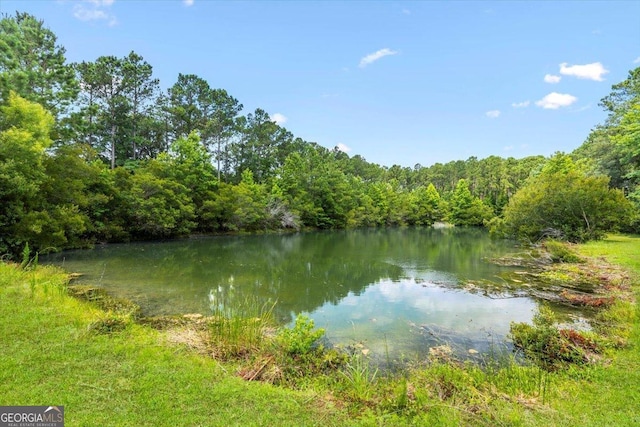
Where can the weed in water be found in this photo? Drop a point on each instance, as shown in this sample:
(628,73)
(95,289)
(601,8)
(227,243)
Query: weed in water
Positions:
(549,346)
(300,339)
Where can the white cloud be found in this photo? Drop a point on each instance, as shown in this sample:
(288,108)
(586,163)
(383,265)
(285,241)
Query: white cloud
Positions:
(637,60)
(593,71)
(94,10)
(280,119)
(342,147)
(406,11)
(523,104)
(373,57)
(508,148)
(187,2)
(555,100)
(550,78)
(85,14)
(493,114)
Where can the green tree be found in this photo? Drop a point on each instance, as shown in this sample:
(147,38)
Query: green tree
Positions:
(189,164)
(106,90)
(190,102)
(33,65)
(425,206)
(118,99)
(242,206)
(24,138)
(141,91)
(222,124)
(613,148)
(465,209)
(154,206)
(564,202)
(263,146)
(623,96)
(316,190)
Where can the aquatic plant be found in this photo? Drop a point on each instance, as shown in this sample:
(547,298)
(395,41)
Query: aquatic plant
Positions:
(300,339)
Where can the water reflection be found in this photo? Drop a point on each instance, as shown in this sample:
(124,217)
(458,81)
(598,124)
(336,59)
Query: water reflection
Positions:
(362,285)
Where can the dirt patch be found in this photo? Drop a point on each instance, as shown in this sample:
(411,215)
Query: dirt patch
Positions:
(194,339)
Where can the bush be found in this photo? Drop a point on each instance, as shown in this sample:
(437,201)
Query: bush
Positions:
(564,202)
(549,346)
(300,339)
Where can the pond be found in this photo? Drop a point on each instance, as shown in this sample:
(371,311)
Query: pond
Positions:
(395,292)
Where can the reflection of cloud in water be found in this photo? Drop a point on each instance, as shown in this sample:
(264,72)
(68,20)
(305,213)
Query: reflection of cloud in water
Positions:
(350,299)
(404,316)
(456,309)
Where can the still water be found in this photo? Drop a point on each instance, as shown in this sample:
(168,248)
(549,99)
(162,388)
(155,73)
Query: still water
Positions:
(397,292)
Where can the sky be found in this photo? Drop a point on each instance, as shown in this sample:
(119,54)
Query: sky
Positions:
(396,82)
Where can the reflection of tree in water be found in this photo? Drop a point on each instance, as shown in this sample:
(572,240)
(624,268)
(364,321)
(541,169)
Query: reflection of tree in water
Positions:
(300,271)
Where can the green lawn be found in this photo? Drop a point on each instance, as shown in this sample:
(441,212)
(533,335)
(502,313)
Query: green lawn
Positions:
(607,395)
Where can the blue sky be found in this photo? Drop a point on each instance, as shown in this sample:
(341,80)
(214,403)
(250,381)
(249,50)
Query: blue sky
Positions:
(395,82)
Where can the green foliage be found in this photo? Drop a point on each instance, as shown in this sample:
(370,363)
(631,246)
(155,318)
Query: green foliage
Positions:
(562,201)
(24,137)
(549,346)
(239,207)
(561,252)
(426,205)
(316,190)
(33,65)
(465,209)
(157,207)
(51,229)
(613,148)
(301,338)
(496,227)
(26,256)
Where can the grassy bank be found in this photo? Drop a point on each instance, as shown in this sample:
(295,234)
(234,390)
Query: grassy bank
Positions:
(51,354)
(109,370)
(607,394)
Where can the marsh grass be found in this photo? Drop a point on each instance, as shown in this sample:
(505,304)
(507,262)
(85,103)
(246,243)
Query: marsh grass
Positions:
(239,330)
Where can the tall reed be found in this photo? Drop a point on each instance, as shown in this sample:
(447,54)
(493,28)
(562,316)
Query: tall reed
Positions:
(238,329)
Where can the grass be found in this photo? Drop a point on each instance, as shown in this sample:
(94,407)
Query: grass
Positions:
(239,330)
(608,395)
(108,369)
(50,355)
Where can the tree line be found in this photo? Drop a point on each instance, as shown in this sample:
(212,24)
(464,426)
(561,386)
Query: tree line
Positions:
(97,152)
